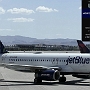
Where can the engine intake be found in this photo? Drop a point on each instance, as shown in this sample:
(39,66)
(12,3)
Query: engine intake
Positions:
(49,75)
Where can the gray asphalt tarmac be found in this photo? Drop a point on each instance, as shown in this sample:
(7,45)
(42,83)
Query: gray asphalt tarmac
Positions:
(14,80)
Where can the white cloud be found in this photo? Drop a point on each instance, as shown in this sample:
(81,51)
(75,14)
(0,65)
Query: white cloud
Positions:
(20,11)
(80,7)
(21,19)
(45,9)
(2,11)
(6,30)
(56,10)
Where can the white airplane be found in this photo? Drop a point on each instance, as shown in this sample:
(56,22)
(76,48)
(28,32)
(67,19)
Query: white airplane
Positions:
(47,66)
(83,49)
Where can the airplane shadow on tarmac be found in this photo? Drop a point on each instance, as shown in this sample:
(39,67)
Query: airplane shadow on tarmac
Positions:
(22,83)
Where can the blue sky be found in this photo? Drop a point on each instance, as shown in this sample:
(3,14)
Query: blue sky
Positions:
(41,18)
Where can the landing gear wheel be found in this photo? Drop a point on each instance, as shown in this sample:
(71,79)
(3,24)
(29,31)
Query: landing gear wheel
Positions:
(36,81)
(39,81)
(62,79)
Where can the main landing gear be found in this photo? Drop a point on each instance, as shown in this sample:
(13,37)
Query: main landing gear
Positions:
(62,79)
(37,81)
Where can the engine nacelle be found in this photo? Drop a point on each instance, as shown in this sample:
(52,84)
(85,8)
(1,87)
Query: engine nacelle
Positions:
(49,75)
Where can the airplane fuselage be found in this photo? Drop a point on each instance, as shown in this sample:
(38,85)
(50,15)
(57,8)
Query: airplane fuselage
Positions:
(68,62)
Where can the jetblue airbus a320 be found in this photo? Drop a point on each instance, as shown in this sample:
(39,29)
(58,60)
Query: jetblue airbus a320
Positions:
(47,66)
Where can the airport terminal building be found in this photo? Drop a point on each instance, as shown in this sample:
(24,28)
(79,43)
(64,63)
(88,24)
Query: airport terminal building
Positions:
(41,47)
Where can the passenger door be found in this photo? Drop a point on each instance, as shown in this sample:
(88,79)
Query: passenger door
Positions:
(55,61)
(3,58)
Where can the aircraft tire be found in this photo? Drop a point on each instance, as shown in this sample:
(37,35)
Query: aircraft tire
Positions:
(36,81)
(62,79)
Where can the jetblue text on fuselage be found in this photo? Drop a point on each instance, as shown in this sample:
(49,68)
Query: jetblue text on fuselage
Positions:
(77,60)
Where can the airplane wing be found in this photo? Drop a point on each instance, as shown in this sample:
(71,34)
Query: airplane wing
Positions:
(31,68)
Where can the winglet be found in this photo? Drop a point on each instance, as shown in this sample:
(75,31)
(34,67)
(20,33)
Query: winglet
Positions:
(82,47)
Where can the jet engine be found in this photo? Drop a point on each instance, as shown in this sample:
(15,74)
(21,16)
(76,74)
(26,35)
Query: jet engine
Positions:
(49,75)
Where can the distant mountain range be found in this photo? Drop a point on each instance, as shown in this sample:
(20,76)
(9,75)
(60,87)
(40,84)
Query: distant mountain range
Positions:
(12,40)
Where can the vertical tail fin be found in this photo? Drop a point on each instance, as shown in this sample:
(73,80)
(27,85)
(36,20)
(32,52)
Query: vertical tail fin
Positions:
(82,47)
(2,48)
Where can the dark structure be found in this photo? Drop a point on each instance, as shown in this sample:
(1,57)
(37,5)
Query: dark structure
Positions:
(41,47)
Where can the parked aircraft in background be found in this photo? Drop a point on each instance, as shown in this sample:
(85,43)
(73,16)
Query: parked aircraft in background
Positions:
(47,66)
(82,47)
